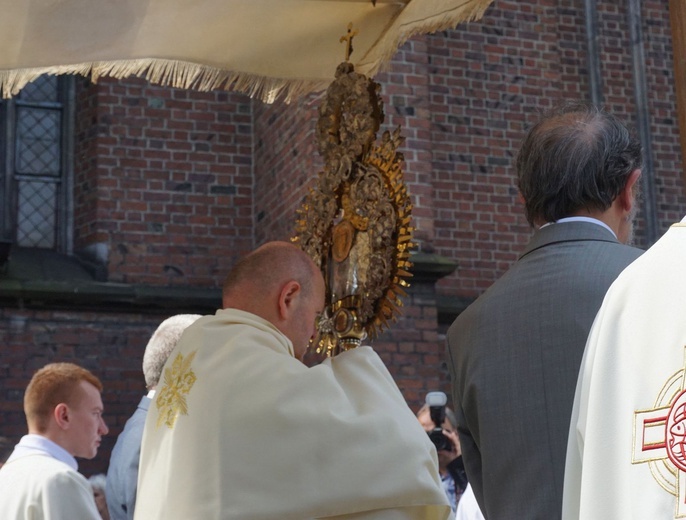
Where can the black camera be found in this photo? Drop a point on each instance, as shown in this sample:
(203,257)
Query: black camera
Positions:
(440,440)
(437,402)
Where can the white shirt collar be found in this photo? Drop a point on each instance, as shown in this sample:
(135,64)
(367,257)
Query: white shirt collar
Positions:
(33,444)
(581,219)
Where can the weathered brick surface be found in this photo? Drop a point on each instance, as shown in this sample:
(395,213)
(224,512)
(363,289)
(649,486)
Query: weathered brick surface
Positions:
(286,164)
(411,347)
(166,181)
(176,185)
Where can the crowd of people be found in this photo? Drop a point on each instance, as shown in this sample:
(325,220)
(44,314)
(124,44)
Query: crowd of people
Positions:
(568,384)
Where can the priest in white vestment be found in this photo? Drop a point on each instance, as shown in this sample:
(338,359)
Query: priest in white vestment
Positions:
(627,446)
(240,428)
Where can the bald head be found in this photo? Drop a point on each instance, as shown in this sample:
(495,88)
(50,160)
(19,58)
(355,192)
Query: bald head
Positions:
(280,283)
(264,270)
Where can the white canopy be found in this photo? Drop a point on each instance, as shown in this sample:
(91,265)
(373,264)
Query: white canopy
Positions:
(266,48)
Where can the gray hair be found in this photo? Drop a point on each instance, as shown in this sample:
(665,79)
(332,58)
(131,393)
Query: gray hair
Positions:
(578,156)
(161,344)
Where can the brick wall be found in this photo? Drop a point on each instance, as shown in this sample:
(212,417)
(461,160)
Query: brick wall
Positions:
(172,186)
(85,168)
(412,349)
(663,117)
(405,91)
(166,184)
(286,164)
(488,82)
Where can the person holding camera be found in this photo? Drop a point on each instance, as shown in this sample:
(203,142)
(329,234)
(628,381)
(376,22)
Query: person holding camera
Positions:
(440,423)
(450,464)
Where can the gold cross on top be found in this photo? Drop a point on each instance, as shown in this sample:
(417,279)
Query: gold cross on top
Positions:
(349,39)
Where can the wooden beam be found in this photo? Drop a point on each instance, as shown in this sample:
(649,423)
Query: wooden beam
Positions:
(677,15)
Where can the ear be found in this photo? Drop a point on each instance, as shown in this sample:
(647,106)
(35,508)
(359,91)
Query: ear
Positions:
(61,415)
(626,196)
(287,298)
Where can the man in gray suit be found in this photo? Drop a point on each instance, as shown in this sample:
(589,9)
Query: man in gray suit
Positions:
(514,354)
(122,475)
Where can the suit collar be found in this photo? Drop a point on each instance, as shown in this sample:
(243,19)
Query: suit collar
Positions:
(568,232)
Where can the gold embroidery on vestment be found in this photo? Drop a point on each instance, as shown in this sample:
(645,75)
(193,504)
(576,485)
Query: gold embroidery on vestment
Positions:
(659,438)
(178,381)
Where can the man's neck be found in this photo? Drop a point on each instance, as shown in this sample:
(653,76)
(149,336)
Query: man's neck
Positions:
(590,220)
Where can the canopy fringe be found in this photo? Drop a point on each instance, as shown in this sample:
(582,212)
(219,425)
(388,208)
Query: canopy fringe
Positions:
(196,76)
(469,11)
(170,73)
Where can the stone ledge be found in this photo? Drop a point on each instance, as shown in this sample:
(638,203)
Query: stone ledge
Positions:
(430,267)
(450,307)
(83,294)
(106,296)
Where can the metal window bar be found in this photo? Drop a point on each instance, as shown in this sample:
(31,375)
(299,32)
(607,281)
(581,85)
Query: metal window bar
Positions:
(35,158)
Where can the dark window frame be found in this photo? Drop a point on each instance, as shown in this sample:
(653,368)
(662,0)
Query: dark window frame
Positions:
(9,191)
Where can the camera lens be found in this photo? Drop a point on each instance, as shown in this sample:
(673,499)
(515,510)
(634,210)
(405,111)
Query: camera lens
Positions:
(440,440)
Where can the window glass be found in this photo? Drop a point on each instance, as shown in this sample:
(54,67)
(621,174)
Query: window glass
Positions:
(34,201)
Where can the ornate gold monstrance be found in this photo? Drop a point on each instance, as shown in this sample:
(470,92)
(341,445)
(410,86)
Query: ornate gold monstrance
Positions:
(355,224)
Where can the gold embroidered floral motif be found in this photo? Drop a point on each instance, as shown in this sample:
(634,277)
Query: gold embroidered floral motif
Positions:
(178,381)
